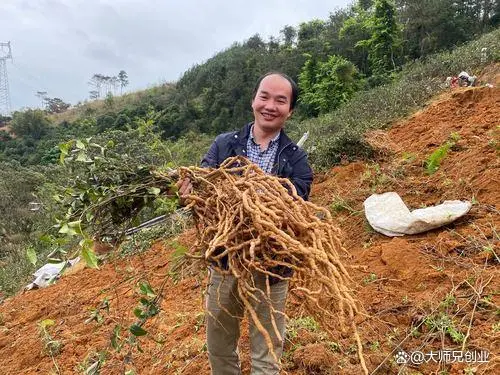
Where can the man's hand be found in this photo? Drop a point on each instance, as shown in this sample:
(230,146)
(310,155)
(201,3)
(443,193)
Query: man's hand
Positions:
(185,188)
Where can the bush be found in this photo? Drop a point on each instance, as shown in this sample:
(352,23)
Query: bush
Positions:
(30,123)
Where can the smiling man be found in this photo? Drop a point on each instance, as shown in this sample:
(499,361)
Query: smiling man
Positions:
(264,143)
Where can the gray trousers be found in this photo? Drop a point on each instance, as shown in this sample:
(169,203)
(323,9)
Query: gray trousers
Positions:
(223,329)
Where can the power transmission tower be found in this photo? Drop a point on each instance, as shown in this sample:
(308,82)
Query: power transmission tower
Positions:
(5,54)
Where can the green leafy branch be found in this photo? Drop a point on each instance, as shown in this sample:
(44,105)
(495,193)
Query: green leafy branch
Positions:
(106,193)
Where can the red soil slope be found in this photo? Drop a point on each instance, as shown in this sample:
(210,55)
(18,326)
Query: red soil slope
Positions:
(449,276)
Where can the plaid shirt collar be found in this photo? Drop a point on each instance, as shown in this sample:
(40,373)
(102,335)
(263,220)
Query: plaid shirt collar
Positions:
(264,159)
(273,141)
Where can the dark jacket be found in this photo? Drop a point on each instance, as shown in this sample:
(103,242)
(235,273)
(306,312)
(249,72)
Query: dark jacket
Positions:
(291,161)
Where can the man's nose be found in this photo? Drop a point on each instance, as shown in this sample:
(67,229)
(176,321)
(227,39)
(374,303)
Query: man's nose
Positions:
(270,105)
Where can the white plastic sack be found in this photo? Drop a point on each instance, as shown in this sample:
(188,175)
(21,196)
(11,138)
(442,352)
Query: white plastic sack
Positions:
(46,274)
(388,214)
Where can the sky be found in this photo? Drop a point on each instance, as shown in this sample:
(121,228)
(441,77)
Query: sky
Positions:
(57,45)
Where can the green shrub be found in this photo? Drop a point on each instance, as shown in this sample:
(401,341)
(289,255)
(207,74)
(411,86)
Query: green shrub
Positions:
(30,123)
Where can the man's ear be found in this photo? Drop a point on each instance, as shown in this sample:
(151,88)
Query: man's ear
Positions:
(289,114)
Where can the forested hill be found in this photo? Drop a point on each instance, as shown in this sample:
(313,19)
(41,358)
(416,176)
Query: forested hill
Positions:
(352,49)
(360,68)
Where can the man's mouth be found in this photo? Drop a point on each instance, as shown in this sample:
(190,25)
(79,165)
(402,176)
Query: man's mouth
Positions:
(268,116)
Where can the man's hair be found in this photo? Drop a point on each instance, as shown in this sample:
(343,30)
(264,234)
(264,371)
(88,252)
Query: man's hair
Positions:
(295,89)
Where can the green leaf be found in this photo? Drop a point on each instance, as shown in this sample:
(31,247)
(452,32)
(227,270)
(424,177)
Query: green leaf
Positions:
(57,198)
(76,226)
(146,289)
(153,310)
(66,229)
(81,156)
(137,330)
(31,255)
(88,253)
(64,148)
(80,145)
(139,313)
(115,338)
(154,190)
(46,239)
(89,216)
(179,251)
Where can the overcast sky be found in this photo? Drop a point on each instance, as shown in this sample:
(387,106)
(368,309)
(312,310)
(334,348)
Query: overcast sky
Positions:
(57,45)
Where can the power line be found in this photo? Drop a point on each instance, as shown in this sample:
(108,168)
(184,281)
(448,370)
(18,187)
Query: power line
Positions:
(5,54)
(25,71)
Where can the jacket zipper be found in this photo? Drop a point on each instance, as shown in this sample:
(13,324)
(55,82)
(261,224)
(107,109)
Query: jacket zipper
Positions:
(279,156)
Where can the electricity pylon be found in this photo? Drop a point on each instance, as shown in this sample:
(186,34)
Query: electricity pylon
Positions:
(5,54)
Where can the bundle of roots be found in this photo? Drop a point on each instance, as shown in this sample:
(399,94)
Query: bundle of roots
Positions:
(250,222)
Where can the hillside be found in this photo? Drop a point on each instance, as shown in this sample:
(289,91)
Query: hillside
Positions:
(424,292)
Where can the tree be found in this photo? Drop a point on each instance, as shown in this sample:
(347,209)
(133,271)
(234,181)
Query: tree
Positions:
(114,83)
(255,42)
(4,136)
(354,30)
(107,84)
(384,45)
(430,25)
(123,79)
(310,37)
(4,120)
(326,85)
(288,34)
(30,123)
(94,94)
(55,105)
(365,4)
(273,44)
(42,95)
(495,14)
(96,83)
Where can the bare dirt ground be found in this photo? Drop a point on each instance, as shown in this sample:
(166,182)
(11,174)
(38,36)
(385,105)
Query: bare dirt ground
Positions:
(429,292)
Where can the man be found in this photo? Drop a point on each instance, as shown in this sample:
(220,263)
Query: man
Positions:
(263,142)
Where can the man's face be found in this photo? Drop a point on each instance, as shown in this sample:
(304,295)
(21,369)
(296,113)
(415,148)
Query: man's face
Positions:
(271,105)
